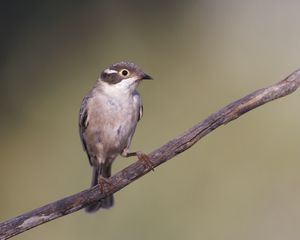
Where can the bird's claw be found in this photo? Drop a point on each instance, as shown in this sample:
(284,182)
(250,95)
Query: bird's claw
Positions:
(144,158)
(102,181)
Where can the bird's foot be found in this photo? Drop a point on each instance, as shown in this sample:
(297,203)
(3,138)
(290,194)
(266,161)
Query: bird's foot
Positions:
(102,181)
(145,160)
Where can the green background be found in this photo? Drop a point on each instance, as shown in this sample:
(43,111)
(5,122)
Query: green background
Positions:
(240,182)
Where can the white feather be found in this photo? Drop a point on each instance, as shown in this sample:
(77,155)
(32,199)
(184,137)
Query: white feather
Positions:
(109,71)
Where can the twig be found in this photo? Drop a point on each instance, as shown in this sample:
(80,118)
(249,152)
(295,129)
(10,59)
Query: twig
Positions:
(136,170)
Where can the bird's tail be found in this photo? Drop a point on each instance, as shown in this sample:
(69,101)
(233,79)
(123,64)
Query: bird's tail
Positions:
(104,171)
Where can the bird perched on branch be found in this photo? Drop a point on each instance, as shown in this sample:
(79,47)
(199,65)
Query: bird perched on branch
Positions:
(108,117)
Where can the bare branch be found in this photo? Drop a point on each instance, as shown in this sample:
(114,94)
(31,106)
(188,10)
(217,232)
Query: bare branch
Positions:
(136,170)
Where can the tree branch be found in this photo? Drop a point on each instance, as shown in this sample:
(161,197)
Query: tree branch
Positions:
(136,170)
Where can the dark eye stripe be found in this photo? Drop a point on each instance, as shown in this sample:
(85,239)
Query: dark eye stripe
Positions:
(111,78)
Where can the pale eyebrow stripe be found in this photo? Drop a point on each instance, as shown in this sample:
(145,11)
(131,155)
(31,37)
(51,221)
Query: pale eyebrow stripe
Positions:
(109,71)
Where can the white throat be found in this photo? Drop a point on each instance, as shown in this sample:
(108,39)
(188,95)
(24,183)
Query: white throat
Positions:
(125,87)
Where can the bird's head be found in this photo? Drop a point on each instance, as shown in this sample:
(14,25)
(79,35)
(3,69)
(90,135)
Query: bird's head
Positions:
(123,76)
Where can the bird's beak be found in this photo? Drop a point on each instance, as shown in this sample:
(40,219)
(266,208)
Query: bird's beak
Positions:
(146,77)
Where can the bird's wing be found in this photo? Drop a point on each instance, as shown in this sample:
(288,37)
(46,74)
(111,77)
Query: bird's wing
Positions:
(141,111)
(84,122)
(139,103)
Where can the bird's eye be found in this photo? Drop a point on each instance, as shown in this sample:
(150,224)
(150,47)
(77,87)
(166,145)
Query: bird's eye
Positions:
(124,72)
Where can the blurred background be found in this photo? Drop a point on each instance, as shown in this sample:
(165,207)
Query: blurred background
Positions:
(240,182)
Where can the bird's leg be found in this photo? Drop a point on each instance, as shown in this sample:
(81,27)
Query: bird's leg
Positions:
(145,160)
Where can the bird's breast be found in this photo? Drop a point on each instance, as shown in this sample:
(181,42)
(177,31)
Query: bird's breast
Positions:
(112,122)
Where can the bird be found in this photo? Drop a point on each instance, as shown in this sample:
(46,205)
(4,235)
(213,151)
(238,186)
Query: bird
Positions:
(108,117)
